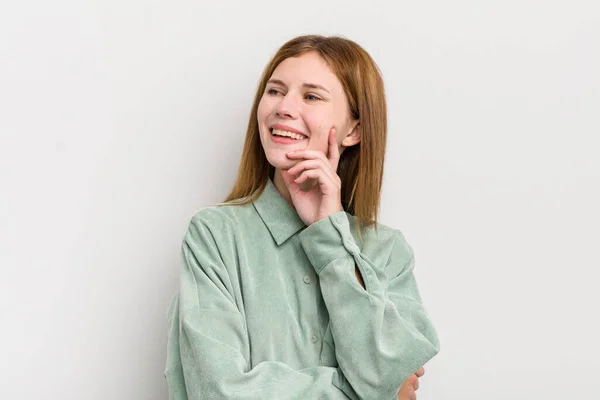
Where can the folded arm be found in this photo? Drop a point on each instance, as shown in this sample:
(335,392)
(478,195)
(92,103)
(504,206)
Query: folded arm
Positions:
(382,333)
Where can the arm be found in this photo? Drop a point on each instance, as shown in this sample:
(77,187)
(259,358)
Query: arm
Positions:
(208,352)
(382,334)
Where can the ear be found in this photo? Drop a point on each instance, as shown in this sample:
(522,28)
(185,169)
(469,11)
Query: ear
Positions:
(353,137)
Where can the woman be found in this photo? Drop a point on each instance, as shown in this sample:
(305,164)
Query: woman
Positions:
(291,289)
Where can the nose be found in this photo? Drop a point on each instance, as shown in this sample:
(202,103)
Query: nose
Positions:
(287,107)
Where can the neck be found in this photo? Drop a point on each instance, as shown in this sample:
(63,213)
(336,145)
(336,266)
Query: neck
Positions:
(281,186)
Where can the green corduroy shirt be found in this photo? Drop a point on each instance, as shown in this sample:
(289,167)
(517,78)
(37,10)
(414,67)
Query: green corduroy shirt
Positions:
(269,308)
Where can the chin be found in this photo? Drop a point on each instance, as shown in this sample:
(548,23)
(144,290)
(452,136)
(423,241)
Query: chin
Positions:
(278,159)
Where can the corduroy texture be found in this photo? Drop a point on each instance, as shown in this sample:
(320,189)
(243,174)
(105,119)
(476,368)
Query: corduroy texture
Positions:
(271,309)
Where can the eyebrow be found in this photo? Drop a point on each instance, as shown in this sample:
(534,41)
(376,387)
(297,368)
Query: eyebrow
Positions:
(305,85)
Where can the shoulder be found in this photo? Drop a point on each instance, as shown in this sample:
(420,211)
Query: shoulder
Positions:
(220,220)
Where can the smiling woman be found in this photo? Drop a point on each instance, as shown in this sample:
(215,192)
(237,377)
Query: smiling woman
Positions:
(309,110)
(291,288)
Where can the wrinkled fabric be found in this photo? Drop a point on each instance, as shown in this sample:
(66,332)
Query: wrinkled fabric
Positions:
(271,309)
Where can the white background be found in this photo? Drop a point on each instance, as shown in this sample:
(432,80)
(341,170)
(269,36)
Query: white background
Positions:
(119,119)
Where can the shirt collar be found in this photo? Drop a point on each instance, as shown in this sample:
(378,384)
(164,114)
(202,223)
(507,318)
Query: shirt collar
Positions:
(281,219)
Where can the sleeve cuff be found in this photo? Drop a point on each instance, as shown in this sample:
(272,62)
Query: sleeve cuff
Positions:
(327,240)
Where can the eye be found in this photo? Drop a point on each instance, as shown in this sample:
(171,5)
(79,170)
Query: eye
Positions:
(273,91)
(312,97)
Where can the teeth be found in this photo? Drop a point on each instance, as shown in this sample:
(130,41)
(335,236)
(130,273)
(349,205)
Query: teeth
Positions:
(292,135)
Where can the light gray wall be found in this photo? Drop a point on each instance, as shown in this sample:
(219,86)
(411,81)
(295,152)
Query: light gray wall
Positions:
(119,119)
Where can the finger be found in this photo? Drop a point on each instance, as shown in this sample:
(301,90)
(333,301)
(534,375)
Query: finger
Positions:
(327,186)
(413,396)
(323,163)
(412,380)
(306,164)
(288,179)
(307,154)
(313,164)
(416,384)
(405,392)
(334,151)
(420,372)
(309,173)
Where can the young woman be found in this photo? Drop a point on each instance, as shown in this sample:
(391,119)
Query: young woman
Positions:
(291,289)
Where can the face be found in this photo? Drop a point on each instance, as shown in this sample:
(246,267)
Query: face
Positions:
(303,99)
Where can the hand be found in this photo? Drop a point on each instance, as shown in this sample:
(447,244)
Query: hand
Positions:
(313,183)
(410,385)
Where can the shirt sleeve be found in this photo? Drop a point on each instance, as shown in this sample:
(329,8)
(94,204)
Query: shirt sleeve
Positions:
(382,333)
(208,352)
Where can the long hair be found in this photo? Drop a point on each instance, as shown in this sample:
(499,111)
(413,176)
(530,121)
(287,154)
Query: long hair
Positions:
(361,166)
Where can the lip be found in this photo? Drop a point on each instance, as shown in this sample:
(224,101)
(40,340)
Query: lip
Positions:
(284,140)
(286,128)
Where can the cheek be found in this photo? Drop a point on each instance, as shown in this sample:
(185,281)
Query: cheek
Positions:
(319,125)
(264,109)
(260,114)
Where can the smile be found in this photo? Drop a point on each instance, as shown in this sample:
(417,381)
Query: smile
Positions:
(292,135)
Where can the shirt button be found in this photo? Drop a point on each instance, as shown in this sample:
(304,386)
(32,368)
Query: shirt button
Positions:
(314,338)
(307,279)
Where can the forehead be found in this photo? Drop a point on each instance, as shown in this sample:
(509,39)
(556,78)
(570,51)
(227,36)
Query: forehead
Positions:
(308,67)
